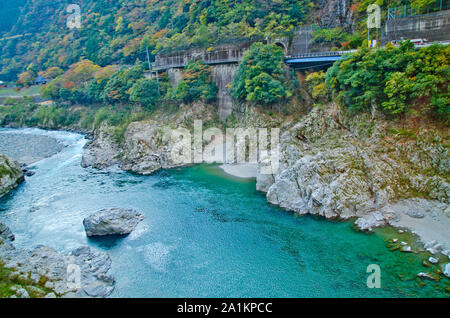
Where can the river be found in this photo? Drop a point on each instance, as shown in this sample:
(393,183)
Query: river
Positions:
(205,234)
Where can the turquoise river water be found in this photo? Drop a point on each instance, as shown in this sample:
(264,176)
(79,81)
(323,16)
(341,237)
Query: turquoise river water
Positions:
(205,234)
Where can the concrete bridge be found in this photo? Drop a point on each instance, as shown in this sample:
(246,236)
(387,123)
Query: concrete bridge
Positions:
(221,54)
(302,53)
(314,60)
(227,54)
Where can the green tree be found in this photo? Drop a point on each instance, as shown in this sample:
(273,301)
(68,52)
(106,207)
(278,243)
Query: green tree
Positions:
(317,87)
(397,80)
(145,92)
(261,75)
(119,85)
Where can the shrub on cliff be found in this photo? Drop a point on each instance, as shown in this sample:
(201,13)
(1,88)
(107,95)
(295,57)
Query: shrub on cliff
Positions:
(145,92)
(397,80)
(261,77)
(316,86)
(196,83)
(118,87)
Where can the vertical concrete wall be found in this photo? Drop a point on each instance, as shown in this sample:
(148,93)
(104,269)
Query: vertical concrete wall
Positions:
(433,27)
(223,76)
(175,76)
(301,40)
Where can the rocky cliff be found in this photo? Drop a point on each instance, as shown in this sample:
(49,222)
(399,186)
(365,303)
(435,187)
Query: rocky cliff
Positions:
(332,164)
(334,13)
(10,175)
(341,166)
(146,146)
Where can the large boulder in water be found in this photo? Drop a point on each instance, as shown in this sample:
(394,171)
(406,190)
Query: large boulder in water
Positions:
(112,222)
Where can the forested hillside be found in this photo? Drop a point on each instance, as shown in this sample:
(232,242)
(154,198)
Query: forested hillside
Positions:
(101,64)
(118,31)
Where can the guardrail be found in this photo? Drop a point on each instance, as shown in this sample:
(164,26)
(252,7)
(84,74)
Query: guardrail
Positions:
(319,54)
(235,59)
(210,62)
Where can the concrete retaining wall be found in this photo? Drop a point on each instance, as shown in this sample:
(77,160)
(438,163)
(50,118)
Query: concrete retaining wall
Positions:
(433,27)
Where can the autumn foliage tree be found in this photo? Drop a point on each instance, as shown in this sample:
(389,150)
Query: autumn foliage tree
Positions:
(196,83)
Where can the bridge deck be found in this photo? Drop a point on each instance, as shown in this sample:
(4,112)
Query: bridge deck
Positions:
(180,62)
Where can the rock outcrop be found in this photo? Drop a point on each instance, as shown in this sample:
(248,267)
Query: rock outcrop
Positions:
(11,175)
(5,233)
(335,13)
(341,166)
(146,146)
(81,273)
(102,151)
(112,222)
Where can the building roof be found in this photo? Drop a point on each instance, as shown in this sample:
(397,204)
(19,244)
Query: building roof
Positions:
(40,79)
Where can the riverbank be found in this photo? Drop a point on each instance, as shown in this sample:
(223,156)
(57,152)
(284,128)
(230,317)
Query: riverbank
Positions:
(242,170)
(430,222)
(332,164)
(29,147)
(206,211)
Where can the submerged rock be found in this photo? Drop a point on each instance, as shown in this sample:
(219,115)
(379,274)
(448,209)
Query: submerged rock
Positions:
(112,222)
(11,175)
(446,270)
(406,249)
(433,247)
(429,276)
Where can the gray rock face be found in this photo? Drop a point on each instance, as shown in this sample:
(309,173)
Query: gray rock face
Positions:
(147,145)
(112,222)
(5,233)
(223,75)
(102,151)
(10,175)
(94,267)
(332,166)
(433,247)
(370,221)
(82,273)
(264,181)
(335,13)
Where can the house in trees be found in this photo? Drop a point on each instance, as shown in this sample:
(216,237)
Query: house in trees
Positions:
(40,80)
